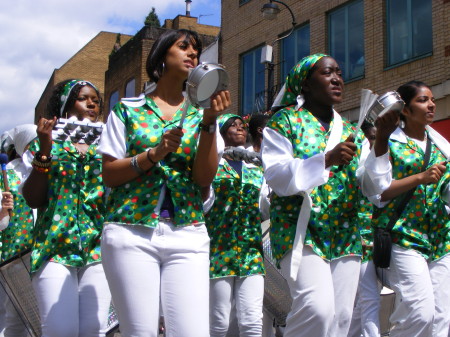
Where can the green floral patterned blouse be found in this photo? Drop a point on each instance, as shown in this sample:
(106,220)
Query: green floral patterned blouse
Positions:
(234,222)
(136,202)
(424,225)
(333,227)
(68,228)
(18,236)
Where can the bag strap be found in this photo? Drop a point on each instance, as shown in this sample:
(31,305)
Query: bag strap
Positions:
(410,193)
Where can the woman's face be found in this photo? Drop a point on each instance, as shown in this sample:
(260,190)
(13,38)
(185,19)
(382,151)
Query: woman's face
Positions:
(236,134)
(325,86)
(87,105)
(421,109)
(181,57)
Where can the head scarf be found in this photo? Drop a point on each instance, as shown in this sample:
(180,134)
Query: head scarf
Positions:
(291,92)
(67,89)
(22,135)
(6,141)
(222,119)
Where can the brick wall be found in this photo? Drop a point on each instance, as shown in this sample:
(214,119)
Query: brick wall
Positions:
(243,28)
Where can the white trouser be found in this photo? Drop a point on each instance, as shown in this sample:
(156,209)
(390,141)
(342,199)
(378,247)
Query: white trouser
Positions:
(247,293)
(142,264)
(72,301)
(422,294)
(365,318)
(323,295)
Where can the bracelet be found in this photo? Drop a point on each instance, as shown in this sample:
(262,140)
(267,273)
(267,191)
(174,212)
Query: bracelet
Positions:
(40,168)
(36,163)
(42,158)
(135,165)
(150,159)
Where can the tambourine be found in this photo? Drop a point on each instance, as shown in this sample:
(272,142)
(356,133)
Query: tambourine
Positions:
(205,80)
(389,101)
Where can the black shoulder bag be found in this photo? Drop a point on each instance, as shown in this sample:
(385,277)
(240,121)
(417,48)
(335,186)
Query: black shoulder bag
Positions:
(382,242)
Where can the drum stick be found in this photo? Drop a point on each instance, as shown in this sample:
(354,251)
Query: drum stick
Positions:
(3,162)
(185,107)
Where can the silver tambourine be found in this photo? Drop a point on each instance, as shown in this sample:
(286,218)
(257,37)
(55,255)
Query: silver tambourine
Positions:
(389,101)
(205,80)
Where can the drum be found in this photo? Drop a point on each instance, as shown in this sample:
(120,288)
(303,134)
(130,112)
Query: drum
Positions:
(15,280)
(389,101)
(205,80)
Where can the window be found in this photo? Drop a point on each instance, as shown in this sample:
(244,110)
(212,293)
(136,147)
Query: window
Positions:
(293,49)
(252,82)
(346,39)
(129,89)
(113,99)
(409,30)
(241,2)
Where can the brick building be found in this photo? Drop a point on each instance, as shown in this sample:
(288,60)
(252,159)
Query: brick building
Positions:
(126,75)
(89,63)
(378,44)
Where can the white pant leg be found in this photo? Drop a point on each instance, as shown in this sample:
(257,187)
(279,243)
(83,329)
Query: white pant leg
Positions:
(56,290)
(414,309)
(370,301)
(14,326)
(132,267)
(221,295)
(440,278)
(312,308)
(185,281)
(94,299)
(249,294)
(355,329)
(345,274)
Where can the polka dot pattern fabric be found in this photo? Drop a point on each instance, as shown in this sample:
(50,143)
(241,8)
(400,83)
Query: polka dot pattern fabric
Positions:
(424,224)
(68,228)
(333,228)
(234,223)
(134,203)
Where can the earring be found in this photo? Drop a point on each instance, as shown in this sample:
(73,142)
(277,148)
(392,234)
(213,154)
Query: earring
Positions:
(402,124)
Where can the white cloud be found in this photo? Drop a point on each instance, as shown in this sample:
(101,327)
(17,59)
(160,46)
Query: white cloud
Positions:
(41,35)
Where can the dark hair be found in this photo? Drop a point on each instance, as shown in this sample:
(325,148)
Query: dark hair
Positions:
(159,50)
(54,103)
(366,126)
(257,121)
(409,90)
(227,124)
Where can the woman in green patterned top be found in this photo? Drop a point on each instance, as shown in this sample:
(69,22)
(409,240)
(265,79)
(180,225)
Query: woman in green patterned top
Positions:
(65,184)
(310,164)
(420,261)
(155,245)
(234,225)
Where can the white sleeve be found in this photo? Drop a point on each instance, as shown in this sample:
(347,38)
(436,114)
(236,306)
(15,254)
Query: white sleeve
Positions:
(4,222)
(27,158)
(264,201)
(208,203)
(112,141)
(377,177)
(285,174)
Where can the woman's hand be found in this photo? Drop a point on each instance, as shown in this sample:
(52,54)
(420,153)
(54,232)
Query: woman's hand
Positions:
(219,103)
(342,153)
(7,201)
(44,132)
(386,124)
(170,142)
(433,174)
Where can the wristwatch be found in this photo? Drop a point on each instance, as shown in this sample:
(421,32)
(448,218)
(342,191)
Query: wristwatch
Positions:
(209,128)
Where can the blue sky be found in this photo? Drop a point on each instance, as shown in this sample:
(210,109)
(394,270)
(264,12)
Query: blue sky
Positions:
(39,36)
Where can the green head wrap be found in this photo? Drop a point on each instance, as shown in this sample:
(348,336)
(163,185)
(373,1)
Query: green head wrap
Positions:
(291,93)
(68,87)
(222,119)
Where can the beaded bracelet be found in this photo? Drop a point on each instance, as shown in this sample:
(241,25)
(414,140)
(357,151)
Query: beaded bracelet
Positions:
(41,169)
(135,165)
(150,159)
(42,158)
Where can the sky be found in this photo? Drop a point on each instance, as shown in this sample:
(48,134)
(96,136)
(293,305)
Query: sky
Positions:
(38,36)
